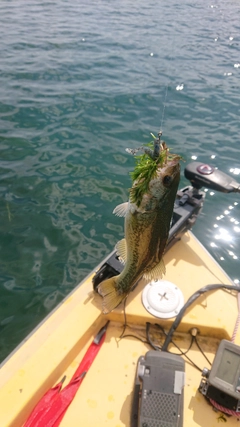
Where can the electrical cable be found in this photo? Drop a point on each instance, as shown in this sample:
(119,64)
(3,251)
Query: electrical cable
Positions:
(125,319)
(185,355)
(201,350)
(181,352)
(125,326)
(175,324)
(158,348)
(189,302)
(155,347)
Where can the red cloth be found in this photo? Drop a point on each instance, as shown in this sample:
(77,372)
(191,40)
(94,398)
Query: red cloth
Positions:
(50,410)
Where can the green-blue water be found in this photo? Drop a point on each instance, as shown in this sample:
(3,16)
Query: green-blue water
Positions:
(79,83)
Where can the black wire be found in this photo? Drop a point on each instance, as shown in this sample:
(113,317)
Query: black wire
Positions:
(198,345)
(125,318)
(155,347)
(181,353)
(125,326)
(185,354)
(188,303)
(160,327)
(158,348)
(175,324)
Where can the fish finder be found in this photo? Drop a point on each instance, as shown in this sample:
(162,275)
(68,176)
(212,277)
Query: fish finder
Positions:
(222,382)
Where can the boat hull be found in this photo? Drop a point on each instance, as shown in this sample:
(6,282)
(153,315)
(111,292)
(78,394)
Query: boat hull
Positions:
(56,347)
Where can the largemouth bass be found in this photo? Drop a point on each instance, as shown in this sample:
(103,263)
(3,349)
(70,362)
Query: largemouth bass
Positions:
(147,215)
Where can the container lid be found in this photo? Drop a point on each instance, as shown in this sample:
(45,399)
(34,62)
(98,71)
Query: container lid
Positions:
(162,299)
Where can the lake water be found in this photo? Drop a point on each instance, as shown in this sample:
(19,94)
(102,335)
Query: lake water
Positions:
(79,83)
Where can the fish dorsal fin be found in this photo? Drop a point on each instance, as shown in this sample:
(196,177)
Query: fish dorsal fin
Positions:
(121,210)
(121,249)
(157,272)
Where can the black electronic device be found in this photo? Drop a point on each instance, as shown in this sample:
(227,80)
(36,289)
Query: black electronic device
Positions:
(158,390)
(204,175)
(222,382)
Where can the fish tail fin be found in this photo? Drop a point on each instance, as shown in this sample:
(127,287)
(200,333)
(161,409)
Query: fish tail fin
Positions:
(111,297)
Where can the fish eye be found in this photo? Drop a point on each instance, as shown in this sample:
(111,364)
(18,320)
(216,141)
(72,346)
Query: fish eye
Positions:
(167,180)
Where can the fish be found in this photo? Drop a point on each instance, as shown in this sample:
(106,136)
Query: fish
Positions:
(148,215)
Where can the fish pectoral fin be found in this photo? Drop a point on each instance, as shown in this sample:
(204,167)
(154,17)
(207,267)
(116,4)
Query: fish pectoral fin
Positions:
(157,272)
(121,210)
(121,249)
(111,297)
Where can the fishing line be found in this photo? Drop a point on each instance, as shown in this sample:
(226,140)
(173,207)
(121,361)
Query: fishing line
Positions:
(164,106)
(168,73)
